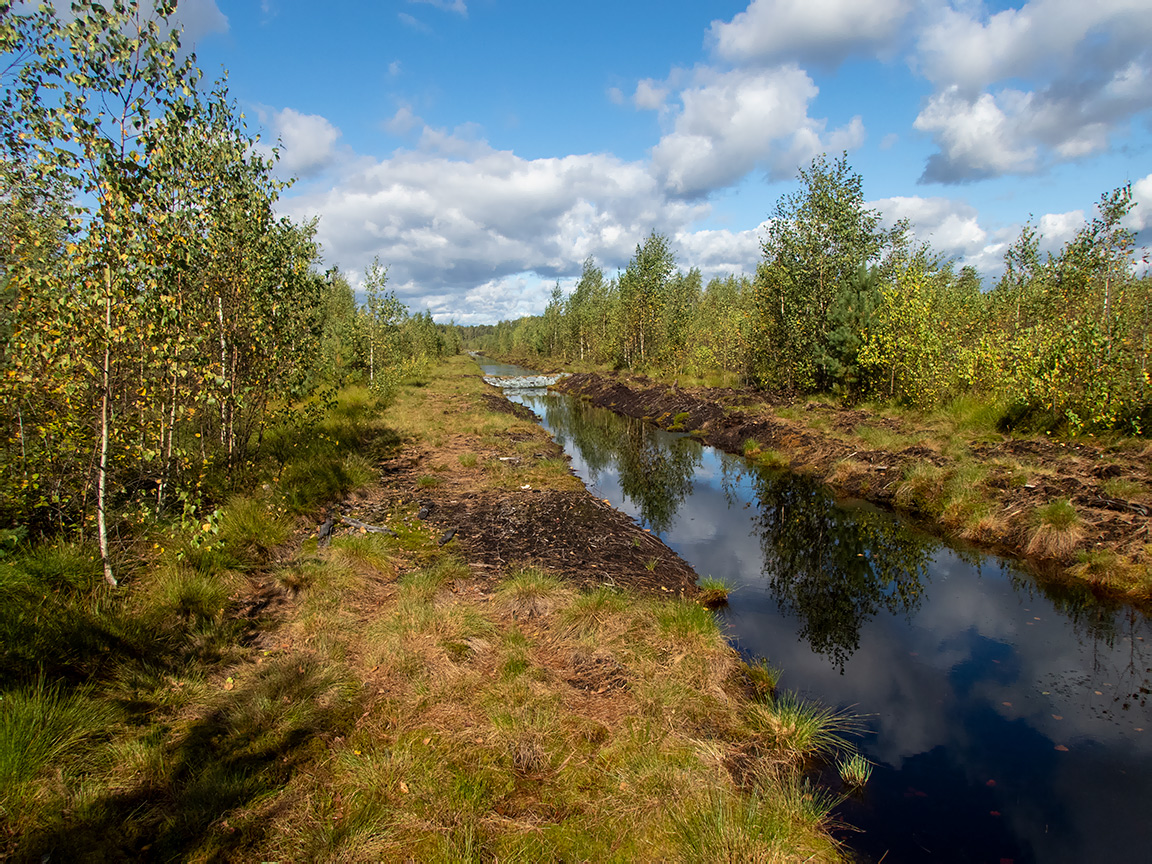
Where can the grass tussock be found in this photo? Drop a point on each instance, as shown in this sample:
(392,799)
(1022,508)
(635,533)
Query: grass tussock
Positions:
(1056,530)
(713,593)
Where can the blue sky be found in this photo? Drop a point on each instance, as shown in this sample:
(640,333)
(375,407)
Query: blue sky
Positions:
(484,148)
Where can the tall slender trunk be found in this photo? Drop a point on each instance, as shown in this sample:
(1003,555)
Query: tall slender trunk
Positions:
(102,473)
(223,363)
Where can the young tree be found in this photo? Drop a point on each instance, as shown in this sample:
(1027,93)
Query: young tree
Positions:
(818,239)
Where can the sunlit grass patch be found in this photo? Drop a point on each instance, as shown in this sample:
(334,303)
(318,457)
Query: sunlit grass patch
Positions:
(713,592)
(855,771)
(1056,531)
(372,552)
(776,824)
(800,731)
(880,438)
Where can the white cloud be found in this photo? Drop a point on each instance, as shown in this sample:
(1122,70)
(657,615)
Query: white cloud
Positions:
(1043,37)
(394,68)
(952,227)
(200,18)
(306,141)
(720,252)
(1079,72)
(822,31)
(979,138)
(615,95)
(1056,229)
(413,22)
(649,95)
(403,121)
(454,213)
(730,123)
(1140,216)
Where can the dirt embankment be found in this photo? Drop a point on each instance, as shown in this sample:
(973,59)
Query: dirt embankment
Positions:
(989,489)
(511,501)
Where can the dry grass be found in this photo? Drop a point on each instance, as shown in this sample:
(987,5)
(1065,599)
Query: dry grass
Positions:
(1056,532)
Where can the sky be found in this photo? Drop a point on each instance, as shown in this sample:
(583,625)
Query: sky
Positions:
(483,149)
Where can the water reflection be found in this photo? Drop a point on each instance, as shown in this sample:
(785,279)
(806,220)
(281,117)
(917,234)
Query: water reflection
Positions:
(1008,719)
(832,568)
(655,469)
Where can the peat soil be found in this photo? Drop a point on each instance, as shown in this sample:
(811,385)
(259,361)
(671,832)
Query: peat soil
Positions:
(1075,469)
(569,532)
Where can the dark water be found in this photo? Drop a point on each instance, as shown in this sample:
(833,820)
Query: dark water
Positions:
(969,675)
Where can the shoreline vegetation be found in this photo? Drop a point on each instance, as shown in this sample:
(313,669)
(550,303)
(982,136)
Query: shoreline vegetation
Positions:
(278,684)
(1073,510)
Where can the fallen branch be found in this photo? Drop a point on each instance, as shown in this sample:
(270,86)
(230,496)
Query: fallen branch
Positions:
(364,526)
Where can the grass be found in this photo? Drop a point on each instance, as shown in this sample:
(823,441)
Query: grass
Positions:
(800,732)
(880,438)
(713,593)
(1124,489)
(387,704)
(855,771)
(1056,530)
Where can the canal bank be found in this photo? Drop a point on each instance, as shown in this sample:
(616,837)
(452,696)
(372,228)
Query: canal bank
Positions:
(1076,511)
(1007,717)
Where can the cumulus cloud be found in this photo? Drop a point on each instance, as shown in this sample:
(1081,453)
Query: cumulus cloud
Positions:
(1042,37)
(306,141)
(454,213)
(729,123)
(820,31)
(952,227)
(1139,218)
(1084,70)
(649,95)
(978,137)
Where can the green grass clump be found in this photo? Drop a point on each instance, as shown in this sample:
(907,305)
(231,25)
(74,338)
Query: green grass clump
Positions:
(1124,488)
(40,725)
(773,459)
(855,771)
(713,592)
(880,438)
(1056,530)
(801,731)
(249,531)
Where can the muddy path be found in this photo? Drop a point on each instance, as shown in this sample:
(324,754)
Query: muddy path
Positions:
(1107,547)
(500,513)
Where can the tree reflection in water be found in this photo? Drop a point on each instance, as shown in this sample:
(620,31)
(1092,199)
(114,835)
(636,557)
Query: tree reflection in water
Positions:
(655,468)
(834,568)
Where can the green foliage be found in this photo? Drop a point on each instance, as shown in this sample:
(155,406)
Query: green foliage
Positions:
(819,238)
(840,306)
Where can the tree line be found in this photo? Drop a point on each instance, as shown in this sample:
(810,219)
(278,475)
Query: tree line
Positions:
(156,315)
(841,305)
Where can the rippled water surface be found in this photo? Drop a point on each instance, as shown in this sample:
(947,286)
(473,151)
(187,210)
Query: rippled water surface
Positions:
(1007,722)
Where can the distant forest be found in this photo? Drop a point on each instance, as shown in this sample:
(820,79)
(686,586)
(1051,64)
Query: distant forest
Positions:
(839,305)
